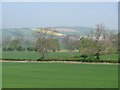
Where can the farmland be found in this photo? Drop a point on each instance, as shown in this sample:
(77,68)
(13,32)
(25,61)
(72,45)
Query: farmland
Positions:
(19,55)
(59,75)
(59,45)
(35,55)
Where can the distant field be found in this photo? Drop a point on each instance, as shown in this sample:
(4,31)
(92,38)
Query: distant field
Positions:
(59,75)
(36,55)
(52,56)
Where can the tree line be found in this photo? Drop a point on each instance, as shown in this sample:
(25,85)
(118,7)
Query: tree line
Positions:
(98,41)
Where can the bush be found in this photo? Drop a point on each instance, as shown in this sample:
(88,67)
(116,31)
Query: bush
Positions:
(30,49)
(20,49)
(7,49)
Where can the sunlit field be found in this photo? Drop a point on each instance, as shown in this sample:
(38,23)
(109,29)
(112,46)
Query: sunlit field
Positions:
(59,75)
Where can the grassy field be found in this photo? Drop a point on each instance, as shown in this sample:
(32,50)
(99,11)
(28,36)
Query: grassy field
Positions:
(59,75)
(36,55)
(51,55)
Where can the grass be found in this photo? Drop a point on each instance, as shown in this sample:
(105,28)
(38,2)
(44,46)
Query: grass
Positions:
(20,55)
(109,57)
(59,75)
(52,55)
(36,55)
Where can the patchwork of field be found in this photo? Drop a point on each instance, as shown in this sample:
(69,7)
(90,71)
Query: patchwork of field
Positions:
(59,75)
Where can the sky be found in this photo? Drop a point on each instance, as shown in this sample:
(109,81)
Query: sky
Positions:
(50,14)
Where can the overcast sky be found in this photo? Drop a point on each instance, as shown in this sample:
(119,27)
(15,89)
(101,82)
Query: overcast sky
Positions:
(38,14)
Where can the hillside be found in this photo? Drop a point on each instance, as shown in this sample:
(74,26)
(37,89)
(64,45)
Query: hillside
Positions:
(9,32)
(27,32)
(74,30)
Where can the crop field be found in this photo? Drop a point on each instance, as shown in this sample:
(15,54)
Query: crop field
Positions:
(51,56)
(35,55)
(59,75)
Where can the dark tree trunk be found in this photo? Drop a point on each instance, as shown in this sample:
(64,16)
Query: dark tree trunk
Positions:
(97,55)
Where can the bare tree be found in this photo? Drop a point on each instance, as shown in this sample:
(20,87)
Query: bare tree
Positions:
(71,43)
(45,41)
(100,28)
(97,39)
(41,41)
(66,42)
(104,40)
(53,44)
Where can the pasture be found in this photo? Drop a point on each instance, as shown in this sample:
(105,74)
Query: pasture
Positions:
(35,55)
(59,75)
(21,55)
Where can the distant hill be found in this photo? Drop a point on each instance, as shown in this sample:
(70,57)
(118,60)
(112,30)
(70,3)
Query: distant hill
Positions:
(78,30)
(17,32)
(27,32)
(74,30)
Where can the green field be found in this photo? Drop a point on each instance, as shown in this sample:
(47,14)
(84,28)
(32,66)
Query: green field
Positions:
(35,55)
(52,56)
(59,75)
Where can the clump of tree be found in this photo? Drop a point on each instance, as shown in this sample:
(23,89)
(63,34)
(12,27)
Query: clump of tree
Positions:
(110,45)
(100,42)
(71,43)
(5,41)
(15,43)
(87,47)
(45,42)
(41,45)
(20,48)
(53,44)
